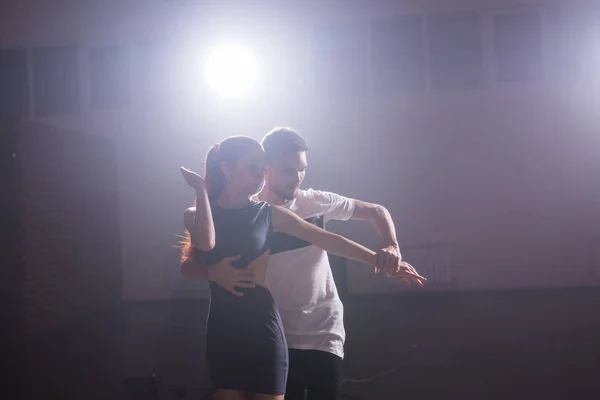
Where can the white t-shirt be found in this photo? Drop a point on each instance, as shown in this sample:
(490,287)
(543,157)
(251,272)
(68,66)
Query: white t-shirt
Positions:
(300,279)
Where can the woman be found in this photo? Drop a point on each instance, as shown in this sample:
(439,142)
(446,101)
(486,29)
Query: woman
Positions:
(246,348)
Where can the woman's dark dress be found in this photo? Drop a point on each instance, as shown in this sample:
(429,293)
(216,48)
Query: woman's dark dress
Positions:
(245,344)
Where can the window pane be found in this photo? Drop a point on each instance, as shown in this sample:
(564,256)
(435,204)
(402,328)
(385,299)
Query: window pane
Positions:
(14,92)
(518,45)
(397,50)
(109,77)
(455,51)
(154,67)
(56,80)
(340,60)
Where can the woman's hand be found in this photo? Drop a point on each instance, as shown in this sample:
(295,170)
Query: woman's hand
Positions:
(404,272)
(192,178)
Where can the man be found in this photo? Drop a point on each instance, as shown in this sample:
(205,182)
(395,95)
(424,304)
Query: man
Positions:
(300,277)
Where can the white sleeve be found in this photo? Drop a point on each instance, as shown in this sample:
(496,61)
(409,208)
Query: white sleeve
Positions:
(333,206)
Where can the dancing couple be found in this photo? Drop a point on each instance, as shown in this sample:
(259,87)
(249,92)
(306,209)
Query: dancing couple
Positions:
(275,335)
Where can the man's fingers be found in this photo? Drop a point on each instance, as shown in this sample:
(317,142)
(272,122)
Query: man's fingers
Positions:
(386,261)
(390,261)
(245,272)
(235,292)
(247,285)
(245,275)
(249,277)
(242,285)
(231,259)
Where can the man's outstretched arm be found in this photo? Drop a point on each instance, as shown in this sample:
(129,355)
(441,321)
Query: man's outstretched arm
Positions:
(382,221)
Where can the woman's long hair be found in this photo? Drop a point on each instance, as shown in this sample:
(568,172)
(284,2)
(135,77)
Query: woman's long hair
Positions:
(227,152)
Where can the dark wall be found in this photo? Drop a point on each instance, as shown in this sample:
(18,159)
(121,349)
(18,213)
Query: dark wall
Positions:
(60,241)
(70,218)
(11,248)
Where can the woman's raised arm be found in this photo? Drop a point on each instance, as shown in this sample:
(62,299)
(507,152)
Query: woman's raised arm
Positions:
(200,222)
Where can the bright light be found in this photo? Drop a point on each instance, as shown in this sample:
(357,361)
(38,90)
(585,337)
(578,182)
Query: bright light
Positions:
(231,71)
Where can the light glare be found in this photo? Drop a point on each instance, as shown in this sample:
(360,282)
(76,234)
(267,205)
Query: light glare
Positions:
(231,71)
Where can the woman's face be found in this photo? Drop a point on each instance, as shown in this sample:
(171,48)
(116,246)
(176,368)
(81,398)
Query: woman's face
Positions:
(247,174)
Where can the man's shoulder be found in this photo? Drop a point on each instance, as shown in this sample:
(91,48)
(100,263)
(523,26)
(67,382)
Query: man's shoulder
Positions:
(319,196)
(308,196)
(305,203)
(331,205)
(311,201)
(312,193)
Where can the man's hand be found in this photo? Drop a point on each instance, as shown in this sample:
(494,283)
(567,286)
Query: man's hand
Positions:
(390,261)
(229,277)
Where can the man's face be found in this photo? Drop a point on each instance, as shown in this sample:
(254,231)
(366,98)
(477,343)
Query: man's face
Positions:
(285,175)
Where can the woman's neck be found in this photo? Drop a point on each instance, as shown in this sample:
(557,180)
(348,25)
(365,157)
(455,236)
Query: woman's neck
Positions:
(231,199)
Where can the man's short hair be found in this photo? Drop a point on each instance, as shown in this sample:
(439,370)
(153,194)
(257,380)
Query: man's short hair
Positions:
(282,141)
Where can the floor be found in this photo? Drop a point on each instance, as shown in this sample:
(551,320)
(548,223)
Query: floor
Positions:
(540,344)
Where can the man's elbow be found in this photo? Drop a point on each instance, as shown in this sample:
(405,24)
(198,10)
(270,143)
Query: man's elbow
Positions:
(372,212)
(378,211)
